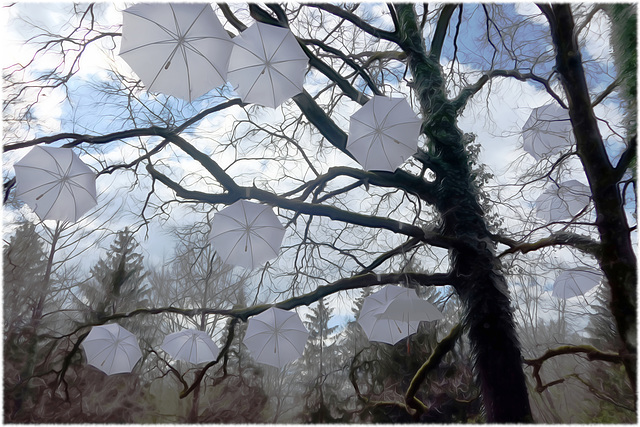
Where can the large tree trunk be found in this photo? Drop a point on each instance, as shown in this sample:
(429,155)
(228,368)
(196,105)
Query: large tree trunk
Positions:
(480,284)
(618,260)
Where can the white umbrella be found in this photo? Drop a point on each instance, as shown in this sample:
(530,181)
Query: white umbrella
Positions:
(386,330)
(176,49)
(112,349)
(275,337)
(191,346)
(246,234)
(383,133)
(547,131)
(408,309)
(562,201)
(267,65)
(576,281)
(55,183)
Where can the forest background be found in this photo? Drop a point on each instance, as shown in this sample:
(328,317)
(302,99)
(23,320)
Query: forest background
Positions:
(457,222)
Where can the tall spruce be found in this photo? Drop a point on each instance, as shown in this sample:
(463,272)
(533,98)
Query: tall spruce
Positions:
(320,396)
(118,282)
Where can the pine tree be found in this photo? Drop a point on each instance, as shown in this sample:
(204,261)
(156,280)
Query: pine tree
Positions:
(25,266)
(321,394)
(24,263)
(117,284)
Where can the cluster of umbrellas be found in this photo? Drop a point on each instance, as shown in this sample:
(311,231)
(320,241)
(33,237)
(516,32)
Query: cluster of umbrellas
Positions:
(547,132)
(114,350)
(394,313)
(183,50)
(274,337)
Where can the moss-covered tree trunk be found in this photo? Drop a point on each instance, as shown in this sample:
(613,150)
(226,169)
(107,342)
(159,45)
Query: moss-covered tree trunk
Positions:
(480,283)
(618,261)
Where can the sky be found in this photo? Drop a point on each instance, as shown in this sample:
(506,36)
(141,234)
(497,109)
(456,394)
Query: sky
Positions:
(496,115)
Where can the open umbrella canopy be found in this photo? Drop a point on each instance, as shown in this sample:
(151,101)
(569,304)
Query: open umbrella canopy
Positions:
(547,131)
(246,234)
(191,346)
(407,309)
(383,133)
(176,49)
(576,281)
(267,65)
(112,349)
(381,329)
(55,183)
(562,201)
(276,337)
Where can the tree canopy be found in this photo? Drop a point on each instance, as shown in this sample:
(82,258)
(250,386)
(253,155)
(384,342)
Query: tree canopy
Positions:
(492,200)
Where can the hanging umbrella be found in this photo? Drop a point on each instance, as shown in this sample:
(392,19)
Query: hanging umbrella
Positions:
(576,281)
(383,133)
(112,349)
(246,234)
(408,309)
(547,131)
(562,201)
(267,65)
(386,330)
(55,183)
(191,346)
(176,49)
(275,337)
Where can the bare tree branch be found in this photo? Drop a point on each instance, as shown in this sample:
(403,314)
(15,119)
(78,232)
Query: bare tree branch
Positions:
(356,20)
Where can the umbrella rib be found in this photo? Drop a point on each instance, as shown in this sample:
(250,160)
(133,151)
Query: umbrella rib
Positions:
(248,50)
(181,45)
(386,116)
(79,187)
(256,235)
(192,49)
(185,58)
(37,168)
(273,88)
(369,150)
(183,346)
(154,43)
(285,76)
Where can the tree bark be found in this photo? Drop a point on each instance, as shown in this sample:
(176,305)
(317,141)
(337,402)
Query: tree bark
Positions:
(618,261)
(479,281)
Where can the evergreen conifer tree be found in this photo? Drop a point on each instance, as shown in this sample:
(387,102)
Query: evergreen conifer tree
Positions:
(118,283)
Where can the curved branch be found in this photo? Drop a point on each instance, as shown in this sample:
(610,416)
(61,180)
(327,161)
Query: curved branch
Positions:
(626,159)
(77,138)
(465,94)
(438,353)
(441,30)
(319,118)
(357,21)
(233,20)
(603,95)
(238,192)
(582,243)
(590,352)
(402,179)
(354,94)
(350,62)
